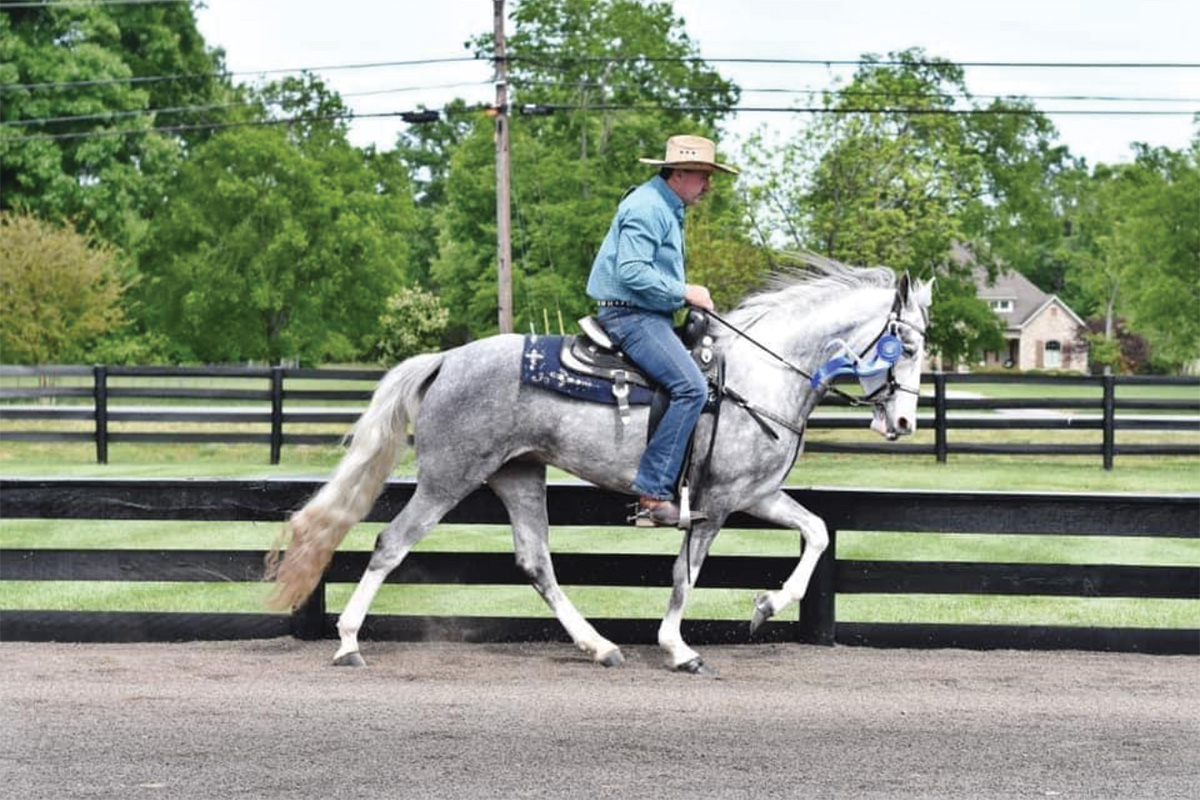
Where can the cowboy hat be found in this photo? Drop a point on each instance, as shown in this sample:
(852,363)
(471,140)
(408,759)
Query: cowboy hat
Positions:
(690,152)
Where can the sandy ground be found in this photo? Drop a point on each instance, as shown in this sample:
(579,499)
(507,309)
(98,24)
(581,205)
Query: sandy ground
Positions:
(272,719)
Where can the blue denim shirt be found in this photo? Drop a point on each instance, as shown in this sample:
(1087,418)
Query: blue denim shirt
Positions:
(641,259)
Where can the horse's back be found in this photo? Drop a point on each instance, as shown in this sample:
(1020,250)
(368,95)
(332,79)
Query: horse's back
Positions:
(478,409)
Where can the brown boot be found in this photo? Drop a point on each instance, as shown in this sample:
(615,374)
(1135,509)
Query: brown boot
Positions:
(652,513)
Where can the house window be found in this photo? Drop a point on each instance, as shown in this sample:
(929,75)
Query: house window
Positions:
(1001,306)
(1053,355)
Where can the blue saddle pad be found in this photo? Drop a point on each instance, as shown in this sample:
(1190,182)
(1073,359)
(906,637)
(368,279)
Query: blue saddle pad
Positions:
(541,366)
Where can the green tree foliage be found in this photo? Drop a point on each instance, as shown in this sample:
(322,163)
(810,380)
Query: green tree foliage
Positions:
(425,152)
(893,175)
(413,323)
(277,241)
(1134,250)
(82,61)
(575,60)
(60,292)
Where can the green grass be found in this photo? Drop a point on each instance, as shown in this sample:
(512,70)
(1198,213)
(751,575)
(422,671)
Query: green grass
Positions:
(606,601)
(965,473)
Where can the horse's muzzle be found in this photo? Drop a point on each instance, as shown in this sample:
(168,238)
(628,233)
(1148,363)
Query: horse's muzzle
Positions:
(883,425)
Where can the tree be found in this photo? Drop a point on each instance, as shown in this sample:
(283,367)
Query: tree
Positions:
(891,175)
(1134,250)
(903,165)
(607,80)
(59,292)
(412,324)
(276,242)
(425,152)
(71,70)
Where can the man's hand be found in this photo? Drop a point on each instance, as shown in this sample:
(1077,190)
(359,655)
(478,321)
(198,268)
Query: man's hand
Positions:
(698,297)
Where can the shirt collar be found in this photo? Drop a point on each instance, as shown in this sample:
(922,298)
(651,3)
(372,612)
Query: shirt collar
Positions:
(668,194)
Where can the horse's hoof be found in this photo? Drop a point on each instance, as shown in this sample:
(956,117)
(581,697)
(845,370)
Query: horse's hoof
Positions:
(349,660)
(697,667)
(613,659)
(762,612)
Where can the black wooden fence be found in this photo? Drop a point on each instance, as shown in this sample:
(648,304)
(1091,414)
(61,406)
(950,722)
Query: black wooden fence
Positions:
(576,504)
(272,398)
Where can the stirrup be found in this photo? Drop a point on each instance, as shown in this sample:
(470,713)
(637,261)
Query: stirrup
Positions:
(667,515)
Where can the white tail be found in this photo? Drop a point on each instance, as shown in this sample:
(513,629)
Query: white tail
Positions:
(314,532)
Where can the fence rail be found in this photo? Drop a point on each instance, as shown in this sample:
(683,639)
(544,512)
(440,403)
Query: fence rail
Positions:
(576,504)
(277,404)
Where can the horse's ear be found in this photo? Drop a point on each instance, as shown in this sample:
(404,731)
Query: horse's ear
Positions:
(902,288)
(923,293)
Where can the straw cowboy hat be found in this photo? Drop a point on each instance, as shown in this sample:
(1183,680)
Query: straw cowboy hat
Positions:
(690,152)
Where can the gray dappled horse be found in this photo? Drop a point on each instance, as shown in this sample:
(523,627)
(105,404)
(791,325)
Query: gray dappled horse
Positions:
(475,423)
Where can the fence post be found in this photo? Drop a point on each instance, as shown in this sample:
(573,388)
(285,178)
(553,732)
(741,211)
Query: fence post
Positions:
(308,621)
(1110,420)
(276,413)
(818,613)
(941,444)
(100,405)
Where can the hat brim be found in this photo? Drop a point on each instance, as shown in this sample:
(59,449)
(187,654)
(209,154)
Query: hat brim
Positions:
(699,166)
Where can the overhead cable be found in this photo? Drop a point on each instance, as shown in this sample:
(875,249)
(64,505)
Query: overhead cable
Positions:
(221,74)
(102,116)
(431,115)
(616,59)
(69,3)
(542,61)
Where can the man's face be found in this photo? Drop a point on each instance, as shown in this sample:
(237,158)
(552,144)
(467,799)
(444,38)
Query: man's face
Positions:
(691,184)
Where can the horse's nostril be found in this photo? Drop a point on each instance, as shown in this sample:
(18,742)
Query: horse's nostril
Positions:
(903,426)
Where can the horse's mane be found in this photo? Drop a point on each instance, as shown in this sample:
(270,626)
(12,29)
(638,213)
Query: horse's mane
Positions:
(804,280)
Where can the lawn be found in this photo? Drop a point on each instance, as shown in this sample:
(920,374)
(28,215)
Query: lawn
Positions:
(974,473)
(1135,474)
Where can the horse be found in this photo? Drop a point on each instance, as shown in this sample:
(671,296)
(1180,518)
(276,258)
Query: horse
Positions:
(475,423)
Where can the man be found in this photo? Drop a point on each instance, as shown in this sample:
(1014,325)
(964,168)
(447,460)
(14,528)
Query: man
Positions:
(638,280)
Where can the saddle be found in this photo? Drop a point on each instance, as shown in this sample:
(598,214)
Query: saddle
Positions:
(590,367)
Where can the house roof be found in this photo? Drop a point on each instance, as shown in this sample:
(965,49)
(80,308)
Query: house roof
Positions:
(1027,300)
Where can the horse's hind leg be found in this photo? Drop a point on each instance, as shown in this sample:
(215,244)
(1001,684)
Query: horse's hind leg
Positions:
(418,517)
(521,486)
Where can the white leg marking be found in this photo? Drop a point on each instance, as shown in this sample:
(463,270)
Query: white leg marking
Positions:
(783,510)
(352,616)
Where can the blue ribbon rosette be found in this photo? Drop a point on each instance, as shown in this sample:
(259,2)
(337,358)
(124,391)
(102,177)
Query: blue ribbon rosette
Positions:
(888,350)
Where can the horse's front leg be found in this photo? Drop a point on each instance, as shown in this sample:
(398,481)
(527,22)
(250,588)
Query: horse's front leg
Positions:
(786,512)
(687,569)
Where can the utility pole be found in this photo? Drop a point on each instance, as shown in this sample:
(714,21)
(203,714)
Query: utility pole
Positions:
(503,210)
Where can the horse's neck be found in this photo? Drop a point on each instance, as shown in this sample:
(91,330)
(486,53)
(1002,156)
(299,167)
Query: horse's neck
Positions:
(854,317)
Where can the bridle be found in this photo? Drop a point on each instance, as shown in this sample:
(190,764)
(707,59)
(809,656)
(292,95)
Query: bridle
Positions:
(887,344)
(888,341)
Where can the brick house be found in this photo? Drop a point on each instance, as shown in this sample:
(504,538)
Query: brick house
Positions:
(1040,330)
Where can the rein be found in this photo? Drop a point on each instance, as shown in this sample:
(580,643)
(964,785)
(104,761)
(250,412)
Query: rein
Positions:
(866,400)
(890,384)
(786,362)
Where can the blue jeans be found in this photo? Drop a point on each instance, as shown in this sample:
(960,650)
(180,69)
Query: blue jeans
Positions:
(648,339)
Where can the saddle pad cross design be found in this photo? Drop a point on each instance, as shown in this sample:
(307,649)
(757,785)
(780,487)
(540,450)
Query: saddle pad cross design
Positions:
(542,366)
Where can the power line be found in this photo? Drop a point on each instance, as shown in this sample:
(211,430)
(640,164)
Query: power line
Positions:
(114,115)
(412,117)
(850,93)
(103,116)
(198,75)
(551,108)
(860,62)
(69,3)
(430,115)
(610,60)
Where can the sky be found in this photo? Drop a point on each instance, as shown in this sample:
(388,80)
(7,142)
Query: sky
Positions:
(260,35)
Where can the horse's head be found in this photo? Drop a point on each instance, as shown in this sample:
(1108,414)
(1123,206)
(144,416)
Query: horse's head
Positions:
(895,385)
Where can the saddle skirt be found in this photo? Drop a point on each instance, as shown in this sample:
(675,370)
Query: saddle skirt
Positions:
(577,367)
